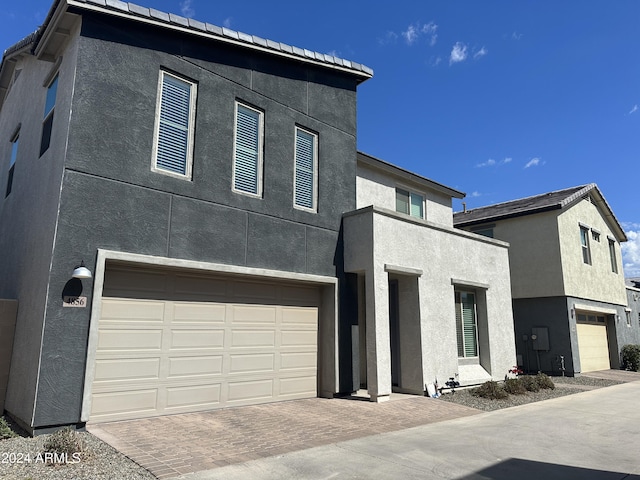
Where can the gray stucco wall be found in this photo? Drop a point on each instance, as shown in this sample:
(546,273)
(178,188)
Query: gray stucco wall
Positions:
(111,199)
(28,215)
(631,334)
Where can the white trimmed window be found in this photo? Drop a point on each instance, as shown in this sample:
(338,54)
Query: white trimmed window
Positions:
(410,203)
(12,162)
(612,255)
(248,150)
(49,106)
(306,170)
(466,324)
(174,129)
(584,241)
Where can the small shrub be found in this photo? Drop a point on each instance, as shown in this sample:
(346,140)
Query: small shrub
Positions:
(530,383)
(5,430)
(631,357)
(543,381)
(514,386)
(66,441)
(490,390)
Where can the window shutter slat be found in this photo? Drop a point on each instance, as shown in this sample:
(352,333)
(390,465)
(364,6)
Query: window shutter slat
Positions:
(247,150)
(305,175)
(173,132)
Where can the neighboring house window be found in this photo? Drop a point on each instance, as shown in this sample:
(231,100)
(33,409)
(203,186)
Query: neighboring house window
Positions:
(628,318)
(586,250)
(486,230)
(466,324)
(612,255)
(595,235)
(247,163)
(47,123)
(174,130)
(590,318)
(410,203)
(12,163)
(306,170)
(639,319)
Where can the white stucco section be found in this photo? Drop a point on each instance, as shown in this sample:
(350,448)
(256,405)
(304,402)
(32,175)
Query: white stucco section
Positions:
(596,281)
(375,237)
(374,187)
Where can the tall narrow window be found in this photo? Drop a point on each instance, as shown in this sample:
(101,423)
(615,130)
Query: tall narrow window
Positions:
(306,170)
(247,163)
(12,163)
(612,255)
(174,131)
(466,324)
(49,107)
(586,250)
(410,203)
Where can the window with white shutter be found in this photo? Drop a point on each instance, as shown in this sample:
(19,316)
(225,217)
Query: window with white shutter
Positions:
(466,325)
(306,170)
(174,131)
(247,155)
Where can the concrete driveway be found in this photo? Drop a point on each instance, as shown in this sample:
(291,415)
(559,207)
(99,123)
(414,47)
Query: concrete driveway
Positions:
(587,436)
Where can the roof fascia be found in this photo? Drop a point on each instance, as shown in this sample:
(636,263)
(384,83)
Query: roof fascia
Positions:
(495,218)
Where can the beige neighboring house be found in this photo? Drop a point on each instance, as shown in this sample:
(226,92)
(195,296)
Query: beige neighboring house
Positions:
(433,301)
(567,282)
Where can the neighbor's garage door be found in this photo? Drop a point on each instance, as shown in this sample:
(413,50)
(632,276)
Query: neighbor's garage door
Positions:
(176,342)
(594,348)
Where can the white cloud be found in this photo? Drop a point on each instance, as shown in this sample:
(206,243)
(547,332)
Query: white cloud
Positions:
(227,22)
(389,37)
(413,32)
(534,162)
(186,8)
(435,61)
(493,163)
(507,160)
(475,194)
(631,253)
(516,36)
(634,109)
(458,53)
(480,53)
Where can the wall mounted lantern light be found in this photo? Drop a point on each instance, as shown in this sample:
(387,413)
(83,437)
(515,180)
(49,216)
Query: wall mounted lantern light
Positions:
(81,271)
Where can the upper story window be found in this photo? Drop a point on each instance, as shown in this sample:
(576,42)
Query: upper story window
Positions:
(595,234)
(612,255)
(584,241)
(306,170)
(410,203)
(466,324)
(174,129)
(49,107)
(12,162)
(248,150)
(484,230)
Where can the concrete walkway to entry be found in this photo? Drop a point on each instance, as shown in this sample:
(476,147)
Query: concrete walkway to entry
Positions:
(172,445)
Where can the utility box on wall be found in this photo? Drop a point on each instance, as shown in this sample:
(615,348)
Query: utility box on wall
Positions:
(540,338)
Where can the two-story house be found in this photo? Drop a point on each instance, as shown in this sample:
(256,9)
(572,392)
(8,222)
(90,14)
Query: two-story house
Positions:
(200,175)
(567,280)
(433,301)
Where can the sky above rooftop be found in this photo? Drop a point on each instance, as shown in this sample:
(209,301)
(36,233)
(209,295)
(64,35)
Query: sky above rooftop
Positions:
(500,99)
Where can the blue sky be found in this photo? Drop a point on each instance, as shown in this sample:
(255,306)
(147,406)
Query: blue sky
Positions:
(500,99)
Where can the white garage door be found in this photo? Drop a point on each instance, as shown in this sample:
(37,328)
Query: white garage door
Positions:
(594,348)
(177,342)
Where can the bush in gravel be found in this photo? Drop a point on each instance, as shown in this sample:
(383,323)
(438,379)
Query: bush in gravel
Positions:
(530,383)
(631,357)
(543,381)
(5,430)
(490,390)
(514,386)
(66,441)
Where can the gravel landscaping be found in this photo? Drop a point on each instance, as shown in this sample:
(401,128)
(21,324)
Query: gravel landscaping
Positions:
(24,458)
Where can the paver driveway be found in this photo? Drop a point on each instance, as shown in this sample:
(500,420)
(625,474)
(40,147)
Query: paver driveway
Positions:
(177,444)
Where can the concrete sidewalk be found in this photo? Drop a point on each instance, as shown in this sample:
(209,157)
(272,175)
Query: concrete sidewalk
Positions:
(587,436)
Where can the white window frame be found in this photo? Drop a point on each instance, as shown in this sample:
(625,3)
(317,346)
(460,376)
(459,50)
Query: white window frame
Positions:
(314,196)
(48,116)
(612,255)
(460,291)
(584,244)
(410,192)
(15,145)
(260,165)
(193,91)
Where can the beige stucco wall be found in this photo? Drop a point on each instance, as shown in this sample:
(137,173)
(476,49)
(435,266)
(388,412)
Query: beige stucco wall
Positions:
(376,238)
(596,281)
(378,188)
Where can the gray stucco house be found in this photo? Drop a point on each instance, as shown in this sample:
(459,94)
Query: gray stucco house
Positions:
(631,334)
(240,250)
(567,281)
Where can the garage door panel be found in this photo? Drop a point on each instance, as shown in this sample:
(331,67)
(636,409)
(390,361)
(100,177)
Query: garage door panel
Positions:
(191,396)
(593,347)
(201,343)
(181,367)
(208,313)
(127,369)
(122,282)
(118,339)
(251,363)
(196,339)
